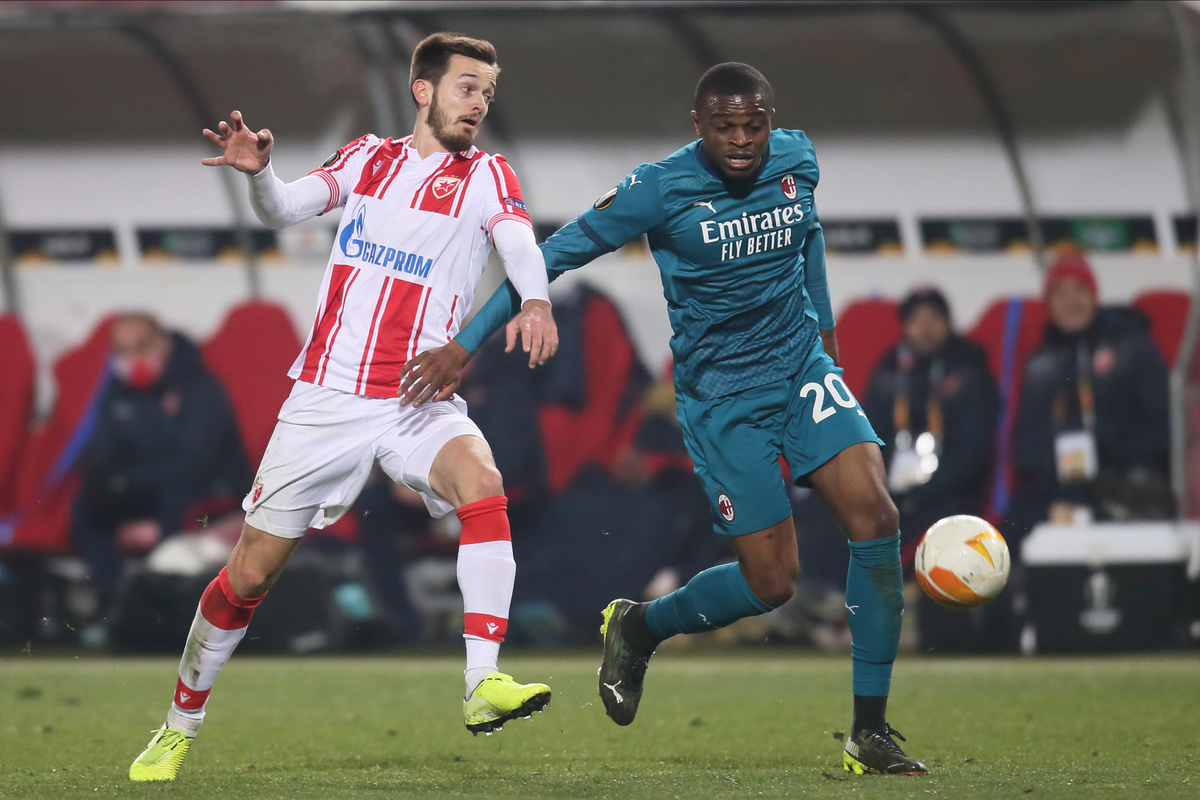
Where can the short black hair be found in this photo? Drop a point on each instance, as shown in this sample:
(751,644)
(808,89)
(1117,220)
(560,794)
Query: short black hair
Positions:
(431,58)
(926,296)
(730,78)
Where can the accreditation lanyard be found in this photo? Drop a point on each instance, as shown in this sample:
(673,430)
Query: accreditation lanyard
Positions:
(1087,398)
(901,407)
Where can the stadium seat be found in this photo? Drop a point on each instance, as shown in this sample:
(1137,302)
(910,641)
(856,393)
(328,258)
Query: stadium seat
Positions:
(1168,312)
(866,330)
(250,355)
(16,404)
(603,429)
(46,481)
(1009,330)
(1029,317)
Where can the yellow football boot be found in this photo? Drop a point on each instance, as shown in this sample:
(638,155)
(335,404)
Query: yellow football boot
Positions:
(161,759)
(498,698)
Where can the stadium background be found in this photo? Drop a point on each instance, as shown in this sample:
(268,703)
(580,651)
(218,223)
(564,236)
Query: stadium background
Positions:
(961,145)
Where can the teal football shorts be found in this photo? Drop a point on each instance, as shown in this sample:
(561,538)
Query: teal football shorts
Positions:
(736,440)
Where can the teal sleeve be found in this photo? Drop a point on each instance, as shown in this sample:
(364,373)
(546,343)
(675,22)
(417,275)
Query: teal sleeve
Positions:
(569,248)
(815,281)
(633,207)
(491,317)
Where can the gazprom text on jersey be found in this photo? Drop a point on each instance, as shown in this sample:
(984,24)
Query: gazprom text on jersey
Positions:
(355,247)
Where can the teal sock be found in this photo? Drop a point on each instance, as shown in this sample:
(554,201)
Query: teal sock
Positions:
(712,599)
(874,607)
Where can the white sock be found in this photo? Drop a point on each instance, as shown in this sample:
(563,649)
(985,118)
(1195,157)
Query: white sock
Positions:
(219,625)
(486,571)
(481,661)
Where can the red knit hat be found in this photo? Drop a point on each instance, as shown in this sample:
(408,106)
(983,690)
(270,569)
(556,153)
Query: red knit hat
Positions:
(1071,265)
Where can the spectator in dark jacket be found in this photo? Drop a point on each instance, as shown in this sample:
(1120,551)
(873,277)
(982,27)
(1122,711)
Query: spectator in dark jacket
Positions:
(164,441)
(1091,438)
(934,403)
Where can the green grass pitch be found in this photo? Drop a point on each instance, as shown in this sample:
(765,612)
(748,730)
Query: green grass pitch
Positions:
(728,724)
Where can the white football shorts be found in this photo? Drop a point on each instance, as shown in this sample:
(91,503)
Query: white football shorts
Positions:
(325,444)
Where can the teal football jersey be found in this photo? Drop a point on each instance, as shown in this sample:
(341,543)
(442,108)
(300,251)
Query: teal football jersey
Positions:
(742,263)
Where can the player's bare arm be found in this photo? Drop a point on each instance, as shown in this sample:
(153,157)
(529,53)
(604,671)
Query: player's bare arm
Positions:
(829,342)
(245,150)
(435,374)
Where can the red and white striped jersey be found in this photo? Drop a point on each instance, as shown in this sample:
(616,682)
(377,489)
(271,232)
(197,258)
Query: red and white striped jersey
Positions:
(411,245)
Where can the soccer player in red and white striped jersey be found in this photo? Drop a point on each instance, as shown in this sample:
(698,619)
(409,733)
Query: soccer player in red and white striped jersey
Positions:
(419,216)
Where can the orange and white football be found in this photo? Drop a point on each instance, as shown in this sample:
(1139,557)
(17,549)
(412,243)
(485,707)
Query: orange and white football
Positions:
(962,562)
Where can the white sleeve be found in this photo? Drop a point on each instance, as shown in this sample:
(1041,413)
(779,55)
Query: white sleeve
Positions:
(278,204)
(523,260)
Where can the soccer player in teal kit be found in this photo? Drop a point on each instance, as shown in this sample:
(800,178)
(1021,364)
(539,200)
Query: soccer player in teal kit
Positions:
(732,223)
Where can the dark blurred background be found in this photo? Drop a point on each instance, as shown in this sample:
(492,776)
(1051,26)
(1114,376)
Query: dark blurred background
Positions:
(969,148)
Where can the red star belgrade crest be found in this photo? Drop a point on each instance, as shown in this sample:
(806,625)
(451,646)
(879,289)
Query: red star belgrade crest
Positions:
(257,492)
(445,186)
(788,184)
(725,506)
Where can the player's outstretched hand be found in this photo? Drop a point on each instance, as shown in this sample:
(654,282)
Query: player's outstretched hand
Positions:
(245,150)
(537,329)
(433,375)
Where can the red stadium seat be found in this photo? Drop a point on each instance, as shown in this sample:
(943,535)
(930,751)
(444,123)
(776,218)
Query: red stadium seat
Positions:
(1168,312)
(47,482)
(16,404)
(600,432)
(250,355)
(866,330)
(1009,330)
(989,332)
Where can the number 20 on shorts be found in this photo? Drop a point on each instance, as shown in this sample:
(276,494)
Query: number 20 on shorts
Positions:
(838,390)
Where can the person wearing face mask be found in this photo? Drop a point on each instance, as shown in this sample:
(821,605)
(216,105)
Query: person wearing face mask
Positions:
(1091,438)
(164,441)
(934,403)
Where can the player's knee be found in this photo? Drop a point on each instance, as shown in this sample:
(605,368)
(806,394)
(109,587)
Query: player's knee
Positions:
(248,579)
(876,519)
(779,590)
(881,519)
(775,586)
(490,482)
(483,481)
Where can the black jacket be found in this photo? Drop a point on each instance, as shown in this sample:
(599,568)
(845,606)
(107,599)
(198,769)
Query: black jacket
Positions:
(1129,379)
(970,405)
(167,447)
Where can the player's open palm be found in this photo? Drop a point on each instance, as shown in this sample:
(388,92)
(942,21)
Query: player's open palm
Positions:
(245,150)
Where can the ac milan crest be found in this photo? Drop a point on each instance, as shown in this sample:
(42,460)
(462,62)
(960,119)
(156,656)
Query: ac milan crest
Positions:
(725,506)
(788,184)
(445,186)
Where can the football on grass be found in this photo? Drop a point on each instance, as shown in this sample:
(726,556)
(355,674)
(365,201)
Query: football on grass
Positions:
(962,562)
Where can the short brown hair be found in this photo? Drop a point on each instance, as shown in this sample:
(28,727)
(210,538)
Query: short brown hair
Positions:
(431,58)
